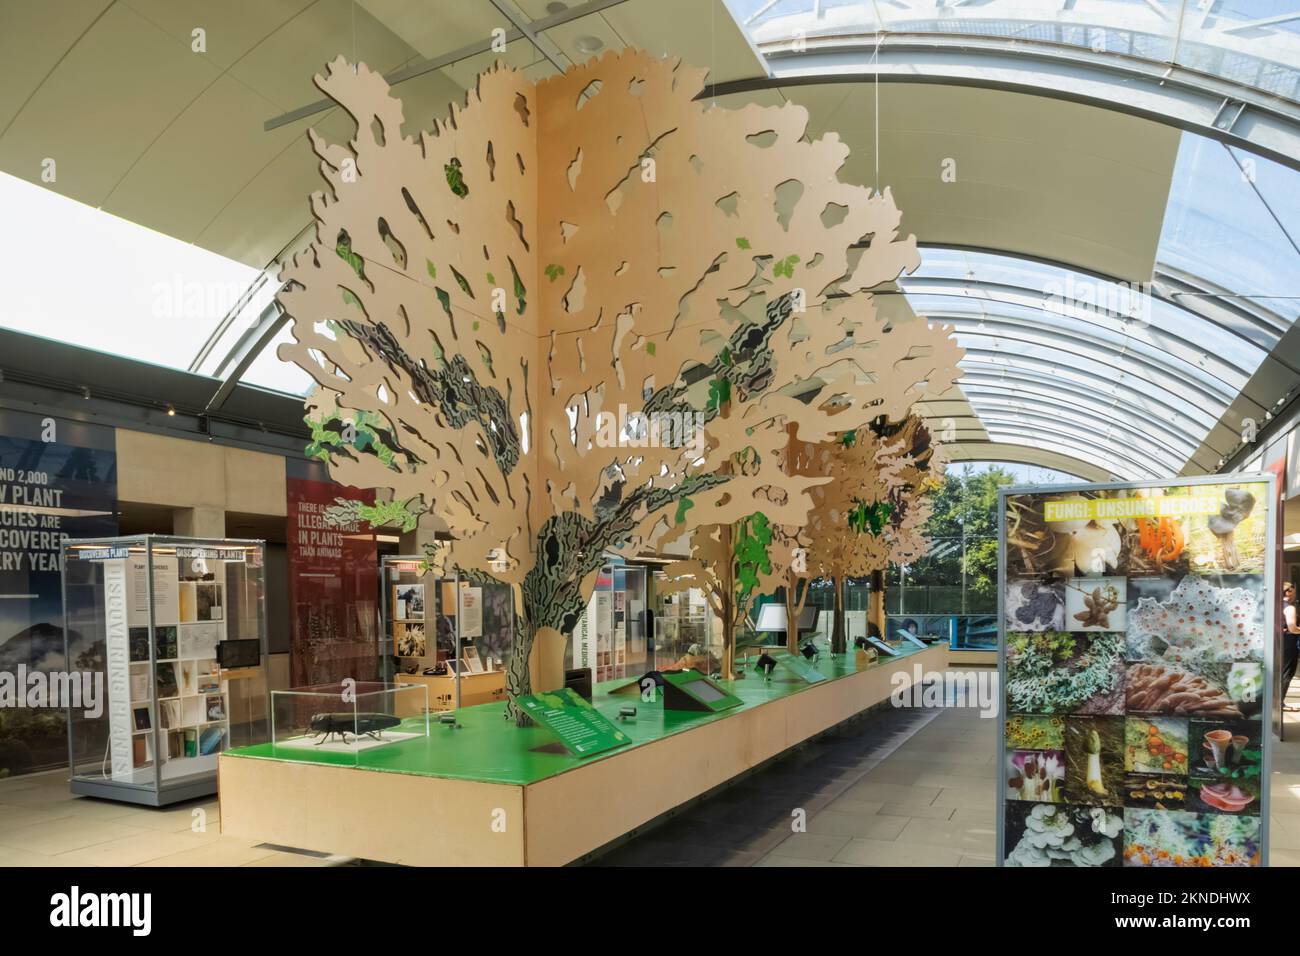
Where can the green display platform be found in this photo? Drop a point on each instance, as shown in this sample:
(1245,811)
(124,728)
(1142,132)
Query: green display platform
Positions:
(490,750)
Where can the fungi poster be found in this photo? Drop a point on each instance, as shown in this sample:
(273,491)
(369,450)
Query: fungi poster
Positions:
(1136,654)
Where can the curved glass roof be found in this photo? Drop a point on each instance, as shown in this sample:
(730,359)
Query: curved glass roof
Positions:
(83,276)
(1232,222)
(1255,43)
(1084,365)
(91,279)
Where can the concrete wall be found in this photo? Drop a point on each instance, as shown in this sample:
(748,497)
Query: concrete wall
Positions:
(201,481)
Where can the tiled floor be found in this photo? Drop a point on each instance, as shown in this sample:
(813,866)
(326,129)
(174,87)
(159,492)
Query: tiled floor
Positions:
(42,824)
(910,788)
(901,788)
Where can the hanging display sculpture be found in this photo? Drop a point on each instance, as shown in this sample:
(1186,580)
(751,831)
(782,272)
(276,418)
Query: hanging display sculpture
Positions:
(572,318)
(1136,653)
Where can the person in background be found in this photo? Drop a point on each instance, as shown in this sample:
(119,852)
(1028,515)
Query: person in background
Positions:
(1290,641)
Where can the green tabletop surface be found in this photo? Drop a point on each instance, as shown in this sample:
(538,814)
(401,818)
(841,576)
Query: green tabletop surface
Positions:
(490,749)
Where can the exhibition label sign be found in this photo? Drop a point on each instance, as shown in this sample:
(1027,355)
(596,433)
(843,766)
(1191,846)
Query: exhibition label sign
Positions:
(1136,653)
(580,727)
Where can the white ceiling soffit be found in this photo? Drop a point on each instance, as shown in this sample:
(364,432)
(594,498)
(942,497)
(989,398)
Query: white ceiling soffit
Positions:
(1035,176)
(140,125)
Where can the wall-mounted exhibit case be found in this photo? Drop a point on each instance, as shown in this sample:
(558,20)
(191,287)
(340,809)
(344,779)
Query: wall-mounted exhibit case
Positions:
(154,618)
(1137,626)
(445,634)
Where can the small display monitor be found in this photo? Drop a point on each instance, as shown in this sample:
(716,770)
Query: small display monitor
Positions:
(691,690)
(232,654)
(706,691)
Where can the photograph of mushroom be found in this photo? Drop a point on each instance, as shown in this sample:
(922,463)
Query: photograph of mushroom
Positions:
(1035,775)
(1044,834)
(1155,745)
(1038,546)
(1155,545)
(1058,673)
(1225,770)
(1033,604)
(1196,620)
(1155,791)
(1171,838)
(1094,760)
(1233,541)
(1096,604)
(1035,732)
(1182,689)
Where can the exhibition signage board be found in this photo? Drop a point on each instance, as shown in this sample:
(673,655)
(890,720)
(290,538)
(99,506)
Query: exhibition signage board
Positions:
(58,480)
(1136,628)
(333,571)
(580,727)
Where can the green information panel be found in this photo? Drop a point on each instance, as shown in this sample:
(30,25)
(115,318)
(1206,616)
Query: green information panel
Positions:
(580,727)
(691,690)
(801,666)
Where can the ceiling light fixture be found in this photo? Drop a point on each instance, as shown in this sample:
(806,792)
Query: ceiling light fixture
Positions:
(171,412)
(589,44)
(556,7)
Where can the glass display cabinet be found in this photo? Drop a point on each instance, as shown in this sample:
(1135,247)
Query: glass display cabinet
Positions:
(687,632)
(610,638)
(347,718)
(449,635)
(172,631)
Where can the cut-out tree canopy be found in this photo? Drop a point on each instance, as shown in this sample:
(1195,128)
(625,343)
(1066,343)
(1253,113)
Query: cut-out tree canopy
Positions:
(596,248)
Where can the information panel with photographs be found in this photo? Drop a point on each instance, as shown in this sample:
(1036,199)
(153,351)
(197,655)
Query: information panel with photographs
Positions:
(1135,655)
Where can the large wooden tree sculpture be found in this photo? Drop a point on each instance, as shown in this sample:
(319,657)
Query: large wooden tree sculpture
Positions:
(596,247)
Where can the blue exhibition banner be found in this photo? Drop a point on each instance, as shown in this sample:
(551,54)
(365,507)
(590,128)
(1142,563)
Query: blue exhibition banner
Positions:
(58,479)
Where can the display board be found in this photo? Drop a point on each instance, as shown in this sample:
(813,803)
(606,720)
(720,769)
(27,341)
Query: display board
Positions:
(580,727)
(805,669)
(58,479)
(1135,652)
(691,690)
(334,617)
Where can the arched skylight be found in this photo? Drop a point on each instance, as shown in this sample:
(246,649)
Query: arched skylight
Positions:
(1255,43)
(82,276)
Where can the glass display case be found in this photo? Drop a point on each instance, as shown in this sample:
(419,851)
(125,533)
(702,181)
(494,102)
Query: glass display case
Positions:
(687,633)
(347,718)
(174,632)
(447,634)
(610,638)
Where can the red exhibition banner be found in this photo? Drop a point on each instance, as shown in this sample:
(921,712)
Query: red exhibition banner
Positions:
(333,582)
